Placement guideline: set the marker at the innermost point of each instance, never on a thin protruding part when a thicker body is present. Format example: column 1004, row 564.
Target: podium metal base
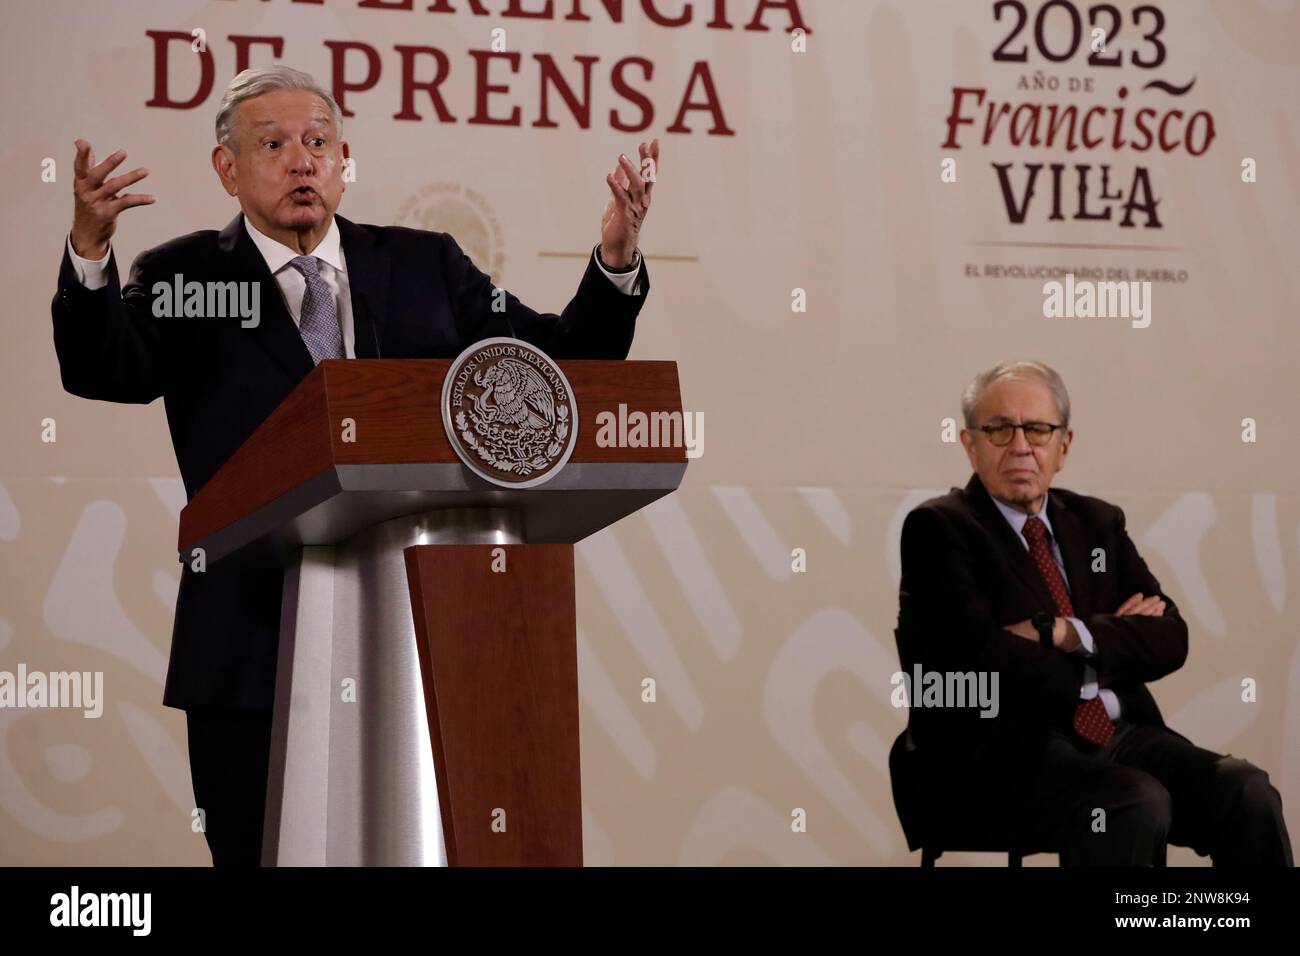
column 352, row 779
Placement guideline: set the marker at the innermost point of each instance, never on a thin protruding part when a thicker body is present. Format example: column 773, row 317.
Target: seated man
column 1048, row 592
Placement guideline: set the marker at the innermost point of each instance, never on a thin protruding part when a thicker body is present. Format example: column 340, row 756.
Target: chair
column 936, row 832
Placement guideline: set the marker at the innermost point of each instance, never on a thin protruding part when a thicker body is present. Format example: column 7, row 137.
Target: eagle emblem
column 509, row 412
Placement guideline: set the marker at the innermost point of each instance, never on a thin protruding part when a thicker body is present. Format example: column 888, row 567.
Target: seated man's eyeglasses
column 1036, row 433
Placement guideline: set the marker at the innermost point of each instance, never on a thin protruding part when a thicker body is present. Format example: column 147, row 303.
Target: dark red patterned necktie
column 1091, row 722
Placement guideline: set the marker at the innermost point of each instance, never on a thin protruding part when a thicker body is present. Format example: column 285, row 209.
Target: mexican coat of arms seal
column 509, row 412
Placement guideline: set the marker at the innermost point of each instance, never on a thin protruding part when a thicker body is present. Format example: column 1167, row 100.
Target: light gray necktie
column 319, row 322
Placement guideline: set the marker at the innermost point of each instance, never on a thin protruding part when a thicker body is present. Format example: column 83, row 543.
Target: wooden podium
column 426, row 707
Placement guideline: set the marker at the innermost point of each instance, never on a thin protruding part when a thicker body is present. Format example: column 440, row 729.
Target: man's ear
column 347, row 154
column 223, row 161
column 968, row 442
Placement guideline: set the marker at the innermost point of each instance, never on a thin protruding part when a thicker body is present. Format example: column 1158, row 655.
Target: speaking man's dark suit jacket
column 414, row 293
column 966, row 576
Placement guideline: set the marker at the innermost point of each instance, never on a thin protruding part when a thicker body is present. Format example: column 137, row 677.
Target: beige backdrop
column 823, row 427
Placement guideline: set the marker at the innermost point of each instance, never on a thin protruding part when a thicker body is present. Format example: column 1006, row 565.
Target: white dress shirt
column 1089, row 689
column 293, row 285
column 333, row 269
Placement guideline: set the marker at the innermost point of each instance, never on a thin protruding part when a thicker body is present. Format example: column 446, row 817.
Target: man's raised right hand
column 97, row 201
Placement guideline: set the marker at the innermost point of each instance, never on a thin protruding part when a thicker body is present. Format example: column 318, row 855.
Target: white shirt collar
column 278, row 255
column 1017, row 519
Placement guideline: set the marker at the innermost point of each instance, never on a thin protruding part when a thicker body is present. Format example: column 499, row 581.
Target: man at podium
column 287, row 284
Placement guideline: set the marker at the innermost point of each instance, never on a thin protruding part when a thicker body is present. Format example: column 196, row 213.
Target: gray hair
column 264, row 79
column 970, row 398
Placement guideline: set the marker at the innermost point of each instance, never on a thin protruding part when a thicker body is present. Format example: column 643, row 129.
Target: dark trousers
column 229, row 754
column 1119, row 805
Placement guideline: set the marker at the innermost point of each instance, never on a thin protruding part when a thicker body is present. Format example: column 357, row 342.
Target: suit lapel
column 368, row 277
column 1017, row 555
column 276, row 331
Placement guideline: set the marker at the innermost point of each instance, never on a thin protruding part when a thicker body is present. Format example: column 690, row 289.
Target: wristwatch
column 1044, row 623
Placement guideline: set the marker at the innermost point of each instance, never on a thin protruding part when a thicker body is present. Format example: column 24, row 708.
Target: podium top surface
column 360, row 441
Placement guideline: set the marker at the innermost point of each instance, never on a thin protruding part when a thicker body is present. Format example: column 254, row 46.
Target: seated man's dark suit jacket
column 966, row 576
column 414, row 294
